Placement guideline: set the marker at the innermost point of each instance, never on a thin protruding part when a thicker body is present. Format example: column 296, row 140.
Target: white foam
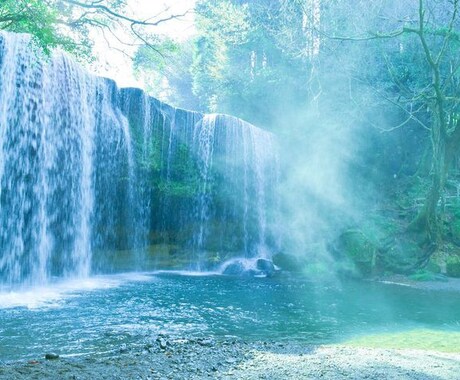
column 55, row 294
column 187, row 273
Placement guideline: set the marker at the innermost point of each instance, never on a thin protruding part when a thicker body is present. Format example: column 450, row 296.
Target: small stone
column 205, row 342
column 163, row 343
column 51, row 356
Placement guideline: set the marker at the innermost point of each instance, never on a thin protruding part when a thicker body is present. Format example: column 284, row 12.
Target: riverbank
column 449, row 284
column 236, row 359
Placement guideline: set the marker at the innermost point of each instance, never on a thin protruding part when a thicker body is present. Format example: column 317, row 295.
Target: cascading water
column 88, row 171
column 61, row 142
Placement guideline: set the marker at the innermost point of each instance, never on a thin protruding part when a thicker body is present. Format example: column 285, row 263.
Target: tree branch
column 98, row 6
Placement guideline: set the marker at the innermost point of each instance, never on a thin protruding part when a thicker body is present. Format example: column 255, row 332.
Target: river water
column 102, row 314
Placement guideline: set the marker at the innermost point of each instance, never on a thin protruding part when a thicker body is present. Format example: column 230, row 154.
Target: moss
column 426, row 275
column 360, row 250
column 159, row 256
column 434, row 267
column 453, row 266
column 401, row 256
column 420, row 339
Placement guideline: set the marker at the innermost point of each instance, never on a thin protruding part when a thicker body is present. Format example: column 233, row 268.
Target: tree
column 240, row 67
column 418, row 47
column 167, row 76
column 36, row 17
column 237, row 63
column 436, row 31
column 222, row 27
column 67, row 23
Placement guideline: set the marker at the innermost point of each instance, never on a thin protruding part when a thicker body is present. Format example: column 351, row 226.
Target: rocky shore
column 206, row 358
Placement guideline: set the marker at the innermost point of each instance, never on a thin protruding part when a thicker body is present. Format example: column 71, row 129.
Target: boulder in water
column 249, row 268
column 266, row 267
column 234, row 269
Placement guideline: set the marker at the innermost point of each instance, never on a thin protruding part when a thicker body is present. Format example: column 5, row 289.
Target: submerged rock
column 51, row 356
column 162, row 343
column 205, row 342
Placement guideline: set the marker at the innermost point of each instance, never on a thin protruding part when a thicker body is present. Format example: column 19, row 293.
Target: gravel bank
column 206, row 358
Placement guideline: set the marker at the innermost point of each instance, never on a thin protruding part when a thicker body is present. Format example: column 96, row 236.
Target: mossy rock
column 453, row 266
column 434, row 267
column 401, row 255
column 361, row 250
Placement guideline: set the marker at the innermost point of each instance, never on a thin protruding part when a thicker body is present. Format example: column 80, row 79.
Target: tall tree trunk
column 427, row 220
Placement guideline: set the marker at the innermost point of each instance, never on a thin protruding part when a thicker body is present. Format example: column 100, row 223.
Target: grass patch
column 420, row 339
column 424, row 275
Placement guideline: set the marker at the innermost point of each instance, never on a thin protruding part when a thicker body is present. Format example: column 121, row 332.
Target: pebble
column 247, row 361
column 205, row 342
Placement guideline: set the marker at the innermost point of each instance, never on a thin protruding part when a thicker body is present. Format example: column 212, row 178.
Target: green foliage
column 44, row 21
column 240, row 66
column 222, row 26
column 174, row 176
column 453, row 266
column 360, row 250
column 69, row 24
column 238, row 63
column 166, row 71
column 426, row 275
column 185, row 182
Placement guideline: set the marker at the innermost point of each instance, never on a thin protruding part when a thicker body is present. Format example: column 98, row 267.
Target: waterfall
column 61, row 142
column 89, row 172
